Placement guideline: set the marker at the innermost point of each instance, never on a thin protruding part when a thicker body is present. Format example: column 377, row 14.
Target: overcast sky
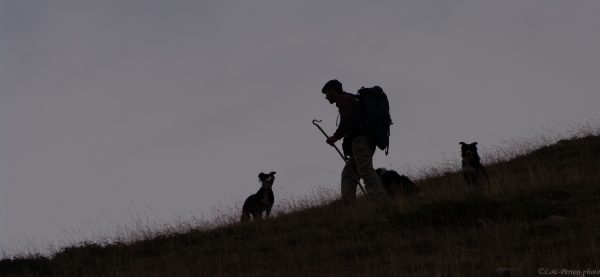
column 176, row 106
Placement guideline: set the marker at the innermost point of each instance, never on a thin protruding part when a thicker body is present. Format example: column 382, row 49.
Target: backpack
column 376, row 119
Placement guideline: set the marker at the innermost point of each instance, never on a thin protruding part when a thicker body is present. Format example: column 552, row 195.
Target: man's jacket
column 350, row 116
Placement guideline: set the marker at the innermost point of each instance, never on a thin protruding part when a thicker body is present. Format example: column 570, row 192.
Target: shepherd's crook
column 336, row 149
column 334, row 146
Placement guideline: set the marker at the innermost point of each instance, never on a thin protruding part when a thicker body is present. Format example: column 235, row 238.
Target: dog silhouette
column 472, row 169
column 261, row 201
column 396, row 184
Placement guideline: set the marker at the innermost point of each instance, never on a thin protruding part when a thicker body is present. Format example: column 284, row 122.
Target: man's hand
column 331, row 141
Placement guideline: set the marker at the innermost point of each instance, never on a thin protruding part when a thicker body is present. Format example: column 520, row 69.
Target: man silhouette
column 357, row 146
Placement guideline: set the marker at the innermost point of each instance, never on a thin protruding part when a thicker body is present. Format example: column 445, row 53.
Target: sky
column 111, row 109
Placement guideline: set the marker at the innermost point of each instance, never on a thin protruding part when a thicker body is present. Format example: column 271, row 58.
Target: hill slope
column 541, row 212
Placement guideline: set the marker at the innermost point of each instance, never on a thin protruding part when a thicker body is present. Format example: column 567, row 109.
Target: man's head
column 331, row 89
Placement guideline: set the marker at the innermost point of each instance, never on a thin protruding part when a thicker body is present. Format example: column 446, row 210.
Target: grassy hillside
column 541, row 212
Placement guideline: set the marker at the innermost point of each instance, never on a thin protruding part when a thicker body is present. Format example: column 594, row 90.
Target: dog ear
column 462, row 143
column 261, row 176
column 474, row 143
column 272, row 173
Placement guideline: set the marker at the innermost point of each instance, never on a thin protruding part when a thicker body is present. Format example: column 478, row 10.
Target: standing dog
column 262, row 201
column 396, row 184
column 472, row 168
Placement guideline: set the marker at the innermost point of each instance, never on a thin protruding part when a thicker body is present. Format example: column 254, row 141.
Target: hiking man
column 356, row 145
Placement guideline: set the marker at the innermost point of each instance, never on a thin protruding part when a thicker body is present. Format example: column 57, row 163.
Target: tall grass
column 539, row 211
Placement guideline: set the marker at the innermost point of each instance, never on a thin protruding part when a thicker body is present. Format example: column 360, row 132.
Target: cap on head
column 332, row 84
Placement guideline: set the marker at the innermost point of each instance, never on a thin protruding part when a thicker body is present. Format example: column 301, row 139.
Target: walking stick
column 337, row 149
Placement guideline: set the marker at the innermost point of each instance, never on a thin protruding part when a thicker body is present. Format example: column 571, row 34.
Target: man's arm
column 347, row 114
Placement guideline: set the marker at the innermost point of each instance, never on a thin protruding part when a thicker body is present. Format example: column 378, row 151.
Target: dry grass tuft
column 541, row 210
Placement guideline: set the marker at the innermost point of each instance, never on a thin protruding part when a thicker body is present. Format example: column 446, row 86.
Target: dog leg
column 268, row 211
column 485, row 175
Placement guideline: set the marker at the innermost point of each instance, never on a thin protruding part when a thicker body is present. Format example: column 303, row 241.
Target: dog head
column 387, row 176
column 267, row 179
column 468, row 151
column 394, row 183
